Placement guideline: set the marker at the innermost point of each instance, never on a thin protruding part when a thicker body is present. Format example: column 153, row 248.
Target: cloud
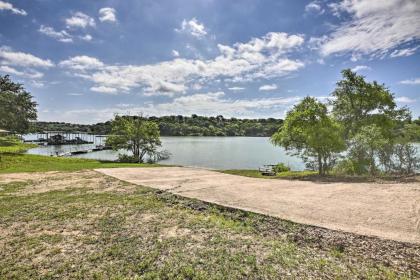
column 107, row 14
column 175, row 53
column 193, row 27
column 80, row 20
column 314, row 7
column 32, row 74
column 415, row 81
column 374, row 27
column 236, row 88
column 360, row 68
column 260, row 58
column 403, row 52
column 200, row 103
column 404, row 99
column 9, row 7
column 82, row 62
column 61, row 36
column 268, row 87
column 103, row 89
column 10, row 57
column 86, row 37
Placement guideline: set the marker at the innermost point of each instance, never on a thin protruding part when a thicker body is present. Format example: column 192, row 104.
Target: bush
column 127, row 158
column 406, row 159
column 281, row 167
column 346, row 167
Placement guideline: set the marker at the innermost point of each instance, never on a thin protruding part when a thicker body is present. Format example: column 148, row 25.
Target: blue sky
column 85, row 61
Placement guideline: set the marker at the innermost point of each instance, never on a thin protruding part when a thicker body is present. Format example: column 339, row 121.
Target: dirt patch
column 174, row 231
column 54, row 181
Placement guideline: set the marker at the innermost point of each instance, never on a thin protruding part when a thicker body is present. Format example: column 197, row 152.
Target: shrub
column 127, row 158
column 281, row 167
column 346, row 167
column 406, row 159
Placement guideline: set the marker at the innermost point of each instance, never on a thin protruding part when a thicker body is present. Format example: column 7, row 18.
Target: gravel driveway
column 389, row 211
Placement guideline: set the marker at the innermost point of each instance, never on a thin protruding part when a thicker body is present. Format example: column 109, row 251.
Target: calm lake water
column 208, row 152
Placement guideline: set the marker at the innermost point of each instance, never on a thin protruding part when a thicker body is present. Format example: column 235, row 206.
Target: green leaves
column 16, row 106
column 310, row 132
column 136, row 134
column 357, row 103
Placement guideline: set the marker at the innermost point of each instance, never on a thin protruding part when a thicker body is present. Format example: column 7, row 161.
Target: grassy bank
column 313, row 176
column 87, row 225
column 10, row 163
column 282, row 175
column 17, row 148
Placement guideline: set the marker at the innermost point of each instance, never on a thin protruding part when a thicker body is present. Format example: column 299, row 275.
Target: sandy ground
column 390, row 211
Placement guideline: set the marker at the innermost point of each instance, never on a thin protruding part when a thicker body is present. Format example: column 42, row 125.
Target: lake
column 196, row 151
column 208, row 152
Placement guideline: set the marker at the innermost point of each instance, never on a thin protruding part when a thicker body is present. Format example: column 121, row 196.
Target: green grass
column 10, row 163
column 282, row 175
column 18, row 148
column 85, row 232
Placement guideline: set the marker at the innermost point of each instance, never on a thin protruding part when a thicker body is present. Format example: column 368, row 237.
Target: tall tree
column 357, row 103
column 17, row 109
column 135, row 134
column 309, row 132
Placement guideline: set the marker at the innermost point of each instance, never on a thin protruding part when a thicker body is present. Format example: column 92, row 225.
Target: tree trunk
column 320, row 169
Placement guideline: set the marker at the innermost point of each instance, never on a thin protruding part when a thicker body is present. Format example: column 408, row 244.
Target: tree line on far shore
column 193, row 125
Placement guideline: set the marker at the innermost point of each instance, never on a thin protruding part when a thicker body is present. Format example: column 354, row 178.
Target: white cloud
column 82, row 62
column 360, row 68
column 268, row 87
column 9, row 7
column 404, row 99
column 374, row 28
column 103, row 89
column 415, row 81
column 175, row 53
column 32, row 74
column 86, row 37
column 403, row 52
column 193, row 27
column 164, row 88
column 264, row 57
column 10, row 57
column 80, row 20
column 107, row 14
column 37, row 84
column 236, row 88
column 314, row 7
column 61, row 36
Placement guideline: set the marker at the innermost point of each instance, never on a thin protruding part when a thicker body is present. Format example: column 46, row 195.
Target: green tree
column 357, row 103
column 135, row 134
column 365, row 147
column 17, row 109
column 309, row 132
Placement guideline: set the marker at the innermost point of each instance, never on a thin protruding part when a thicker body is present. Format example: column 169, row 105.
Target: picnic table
column 267, row 170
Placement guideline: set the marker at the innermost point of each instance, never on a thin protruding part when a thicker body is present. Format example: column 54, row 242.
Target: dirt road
column 389, row 211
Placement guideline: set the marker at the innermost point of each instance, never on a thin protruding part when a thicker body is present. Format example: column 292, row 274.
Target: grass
column 17, row 148
column 313, row 176
column 90, row 226
column 11, row 163
column 282, row 175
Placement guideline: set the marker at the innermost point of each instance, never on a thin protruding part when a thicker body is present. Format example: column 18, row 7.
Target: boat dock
column 83, row 151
